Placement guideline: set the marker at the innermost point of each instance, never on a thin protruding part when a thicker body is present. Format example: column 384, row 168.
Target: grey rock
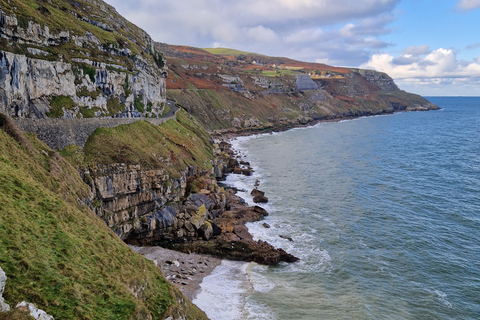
column 3, row 279
column 36, row 313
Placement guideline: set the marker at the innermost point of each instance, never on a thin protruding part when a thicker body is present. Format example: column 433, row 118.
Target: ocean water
column 384, row 212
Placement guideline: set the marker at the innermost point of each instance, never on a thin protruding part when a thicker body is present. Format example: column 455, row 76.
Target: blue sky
column 429, row 47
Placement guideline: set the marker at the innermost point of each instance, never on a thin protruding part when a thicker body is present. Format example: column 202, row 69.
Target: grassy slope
column 184, row 142
column 59, row 255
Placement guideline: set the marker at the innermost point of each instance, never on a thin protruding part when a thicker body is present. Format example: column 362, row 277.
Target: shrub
column 90, row 71
column 57, row 104
column 138, row 104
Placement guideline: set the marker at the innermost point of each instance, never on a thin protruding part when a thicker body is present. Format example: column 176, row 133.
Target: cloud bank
column 341, row 32
column 438, row 70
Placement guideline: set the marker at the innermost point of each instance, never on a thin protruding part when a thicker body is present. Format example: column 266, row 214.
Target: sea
column 383, row 211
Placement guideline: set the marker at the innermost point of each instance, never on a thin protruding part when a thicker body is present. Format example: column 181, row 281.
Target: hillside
column 58, row 254
column 237, row 91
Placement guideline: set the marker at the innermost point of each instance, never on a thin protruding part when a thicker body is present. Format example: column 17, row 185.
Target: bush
column 57, row 104
column 138, row 104
column 90, row 71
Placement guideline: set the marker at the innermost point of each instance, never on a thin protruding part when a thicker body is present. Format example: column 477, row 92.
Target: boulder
column 216, row 229
column 206, row 230
column 286, row 238
column 247, row 172
column 3, row 279
column 255, row 192
column 237, row 170
column 260, row 210
column 36, row 313
column 260, row 199
column 242, row 232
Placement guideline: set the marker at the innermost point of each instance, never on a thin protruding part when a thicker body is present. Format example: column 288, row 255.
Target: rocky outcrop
column 24, row 306
column 189, row 213
column 31, row 88
column 40, row 79
column 3, row 279
column 33, row 310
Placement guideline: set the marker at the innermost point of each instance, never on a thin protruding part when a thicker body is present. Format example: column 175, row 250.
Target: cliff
column 235, row 91
column 58, row 254
column 63, row 59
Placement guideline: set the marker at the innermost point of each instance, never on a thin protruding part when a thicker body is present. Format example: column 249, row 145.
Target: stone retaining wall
column 59, row 133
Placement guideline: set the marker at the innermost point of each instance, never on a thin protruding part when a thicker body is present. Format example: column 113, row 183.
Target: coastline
column 227, row 134
column 186, row 271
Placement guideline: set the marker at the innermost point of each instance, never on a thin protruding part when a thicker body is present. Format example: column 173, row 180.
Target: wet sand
column 185, row 271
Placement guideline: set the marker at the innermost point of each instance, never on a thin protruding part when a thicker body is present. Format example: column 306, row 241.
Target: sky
column 429, row 47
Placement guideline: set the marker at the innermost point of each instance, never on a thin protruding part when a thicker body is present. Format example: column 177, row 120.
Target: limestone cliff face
column 147, row 205
column 78, row 74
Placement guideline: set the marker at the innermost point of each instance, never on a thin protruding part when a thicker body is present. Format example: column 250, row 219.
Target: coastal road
column 173, row 109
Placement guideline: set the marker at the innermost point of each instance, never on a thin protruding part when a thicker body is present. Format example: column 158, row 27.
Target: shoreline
column 185, row 271
column 228, row 135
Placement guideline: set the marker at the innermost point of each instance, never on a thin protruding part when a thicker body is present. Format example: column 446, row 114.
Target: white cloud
column 261, row 34
column 344, row 31
column 437, row 71
column 469, row 4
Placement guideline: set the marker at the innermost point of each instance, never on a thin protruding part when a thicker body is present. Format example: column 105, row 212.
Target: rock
column 36, row 313
column 237, row 170
column 256, row 192
column 173, row 262
column 257, row 183
column 3, row 279
column 286, row 238
column 189, row 226
column 206, row 231
column 247, row 172
column 228, row 237
column 216, row 229
column 242, row 232
column 260, row 199
column 260, row 210
column 266, row 225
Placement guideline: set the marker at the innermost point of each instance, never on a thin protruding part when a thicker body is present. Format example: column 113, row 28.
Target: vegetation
column 172, row 146
column 88, row 112
column 138, row 104
column 79, row 17
column 90, row 72
column 226, row 51
column 59, row 255
column 114, row 106
column 58, row 104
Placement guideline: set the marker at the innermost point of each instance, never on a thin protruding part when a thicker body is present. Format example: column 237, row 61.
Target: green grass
column 139, row 105
column 114, row 106
column 183, row 142
column 279, row 72
column 59, row 255
column 57, row 104
column 227, row 52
